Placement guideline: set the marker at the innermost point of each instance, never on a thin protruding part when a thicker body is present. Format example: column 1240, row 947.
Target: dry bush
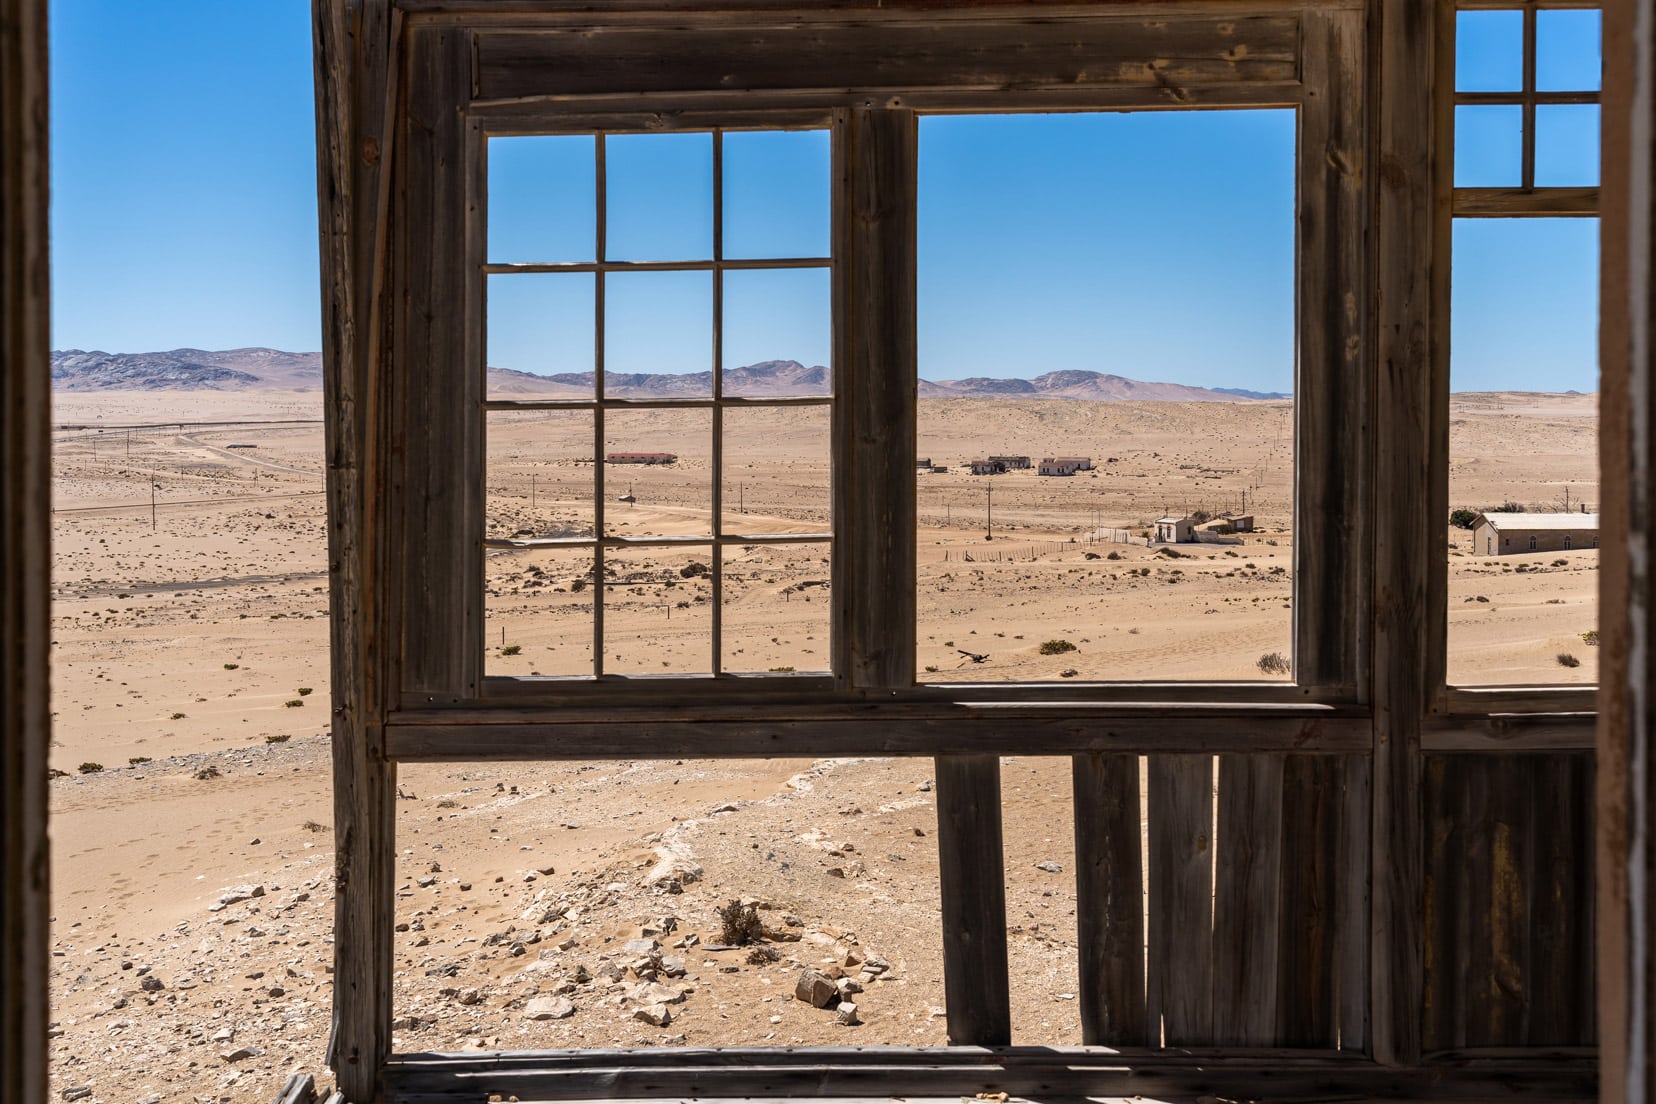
column 1273, row 663
column 739, row 924
column 1565, row 659
column 1057, row 647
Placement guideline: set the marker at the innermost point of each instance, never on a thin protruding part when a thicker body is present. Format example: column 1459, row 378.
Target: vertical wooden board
column 25, row 551
column 1109, row 885
column 1497, row 933
column 971, row 869
column 1407, row 652
column 436, row 382
column 1179, row 966
column 1245, row 903
column 1331, row 390
column 1354, row 851
column 1443, row 1005
column 1561, row 988
column 1306, row 1006
column 875, row 387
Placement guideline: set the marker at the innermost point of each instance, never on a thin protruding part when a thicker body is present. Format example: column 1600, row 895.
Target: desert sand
column 190, row 668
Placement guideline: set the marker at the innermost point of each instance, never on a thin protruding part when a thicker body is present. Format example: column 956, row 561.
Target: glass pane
column 1489, row 51
column 1489, row 146
column 1034, row 317
column 537, row 611
column 542, row 199
column 778, row 336
column 659, row 197
column 658, row 611
column 777, row 609
column 777, row 470
column 1523, row 445
column 658, row 335
column 658, row 473
column 1566, row 145
column 540, row 335
column 1569, row 50
column 776, row 194
column 539, row 477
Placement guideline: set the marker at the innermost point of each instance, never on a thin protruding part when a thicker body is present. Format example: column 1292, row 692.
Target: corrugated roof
column 1542, row 521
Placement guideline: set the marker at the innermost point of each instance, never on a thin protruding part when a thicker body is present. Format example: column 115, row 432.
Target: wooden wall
column 25, row 516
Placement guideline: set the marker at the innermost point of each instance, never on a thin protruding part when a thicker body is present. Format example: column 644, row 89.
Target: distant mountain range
column 274, row 370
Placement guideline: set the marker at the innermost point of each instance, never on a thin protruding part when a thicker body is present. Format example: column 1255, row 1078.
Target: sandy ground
column 190, row 666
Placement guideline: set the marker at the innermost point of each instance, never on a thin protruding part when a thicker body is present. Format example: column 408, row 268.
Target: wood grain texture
column 1518, row 203
column 1626, row 752
column 971, row 869
column 833, row 54
column 1306, row 998
column 1179, row 962
column 1407, row 647
column 1246, row 912
column 437, row 380
column 25, row 551
column 876, row 366
column 356, row 63
column 1109, row 909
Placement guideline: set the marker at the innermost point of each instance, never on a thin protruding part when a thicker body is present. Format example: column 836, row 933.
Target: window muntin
column 641, row 517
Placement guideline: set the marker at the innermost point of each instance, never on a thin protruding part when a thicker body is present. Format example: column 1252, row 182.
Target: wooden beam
column 355, row 52
column 971, row 867
column 25, row 550
column 1405, row 241
column 1626, row 796
column 826, row 53
column 1179, row 959
column 1518, row 203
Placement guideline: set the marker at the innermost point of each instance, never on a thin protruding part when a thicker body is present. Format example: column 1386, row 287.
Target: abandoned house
column 1174, row 530
column 1059, row 466
column 986, row 467
column 640, row 458
column 1497, row 534
column 1358, row 882
column 1012, row 463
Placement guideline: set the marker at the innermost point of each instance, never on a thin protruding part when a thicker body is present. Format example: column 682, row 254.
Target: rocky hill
column 259, row 369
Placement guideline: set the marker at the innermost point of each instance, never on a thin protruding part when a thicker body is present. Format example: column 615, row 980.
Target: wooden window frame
column 446, row 708
column 1469, row 717
column 402, row 85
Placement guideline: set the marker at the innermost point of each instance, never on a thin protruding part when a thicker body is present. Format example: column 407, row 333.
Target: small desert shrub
column 759, row 956
column 306, row 691
column 231, row 666
column 139, row 760
column 294, row 703
column 208, row 772
column 931, row 669
column 1561, row 563
column 1463, row 518
column 1590, row 638
column 1056, row 647
column 739, row 924
column 313, row 826
column 781, row 670
column 1273, row 663
column 278, row 738
column 511, row 649
column 1565, row 659
column 178, row 716
column 1113, row 556
column 577, row 585
column 693, row 569
column 1068, row 672
column 90, row 768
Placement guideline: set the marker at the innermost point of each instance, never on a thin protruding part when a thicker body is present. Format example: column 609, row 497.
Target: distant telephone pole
column 989, row 514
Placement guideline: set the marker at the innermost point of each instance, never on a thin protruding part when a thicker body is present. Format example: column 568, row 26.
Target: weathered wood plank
column 1109, row 910
column 1407, row 647
column 1443, row 995
column 971, row 869
column 1354, row 854
column 1306, row 1004
column 437, row 368
column 1331, row 408
column 1559, row 875
column 25, row 550
column 1246, row 900
column 839, row 54
column 869, row 731
column 1626, row 752
column 1517, row 732
column 356, row 69
column 875, row 364
column 1179, row 964
column 1518, row 203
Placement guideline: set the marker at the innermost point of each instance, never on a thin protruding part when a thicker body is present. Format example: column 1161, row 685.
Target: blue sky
column 1156, row 245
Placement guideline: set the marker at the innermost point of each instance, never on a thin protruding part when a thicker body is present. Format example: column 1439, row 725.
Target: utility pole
column 989, row 516
column 152, row 498
column 531, row 491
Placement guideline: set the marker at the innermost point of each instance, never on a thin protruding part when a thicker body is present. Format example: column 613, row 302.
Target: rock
column 655, row 1015
column 652, row 992
column 77, row 1092
column 1050, row 867
column 846, row 1015
column 848, row 986
column 224, row 1035
column 151, row 984
column 549, row 1008
column 469, row 996
column 816, row 988
column 241, row 1053
column 641, row 947
column 673, row 864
